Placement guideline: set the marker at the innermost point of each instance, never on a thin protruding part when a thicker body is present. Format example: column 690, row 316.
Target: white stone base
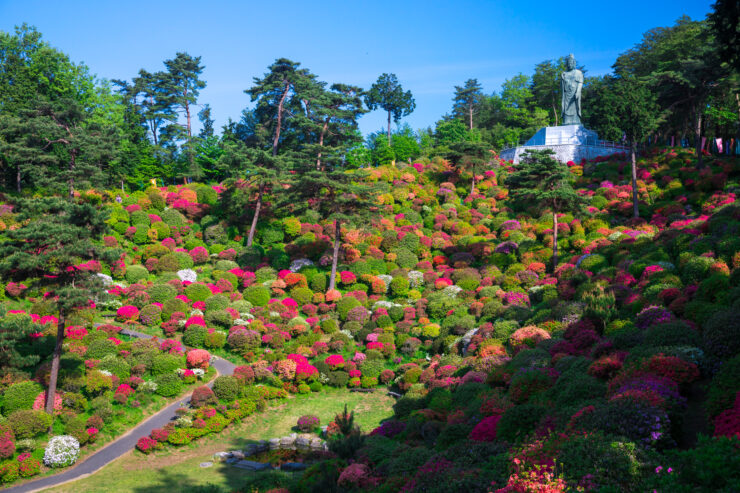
column 563, row 152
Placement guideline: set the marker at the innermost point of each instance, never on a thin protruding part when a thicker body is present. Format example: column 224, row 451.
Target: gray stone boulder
column 253, row 466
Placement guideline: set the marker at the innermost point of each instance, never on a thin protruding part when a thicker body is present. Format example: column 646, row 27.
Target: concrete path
column 122, row 444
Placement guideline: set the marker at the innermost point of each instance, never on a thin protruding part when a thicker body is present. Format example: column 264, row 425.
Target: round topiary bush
column 168, row 384
column 162, row 293
column 308, row 423
column 346, row 304
column 150, row 315
column 517, row 422
column 117, row 366
column 136, row 273
column 197, row 292
column 195, row 336
column 62, row 451
column 217, row 302
column 226, row 388
column 399, row 286
column 203, row 396
column 257, row 295
column 166, row 363
column 722, row 334
column 220, row 318
column 20, row 396
column 27, row 423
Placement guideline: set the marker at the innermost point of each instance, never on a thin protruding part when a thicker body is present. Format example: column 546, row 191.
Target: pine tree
column 466, row 101
column 14, row 333
column 388, row 94
column 55, row 237
column 261, row 170
column 338, row 196
column 543, row 182
column 273, row 94
column 631, row 106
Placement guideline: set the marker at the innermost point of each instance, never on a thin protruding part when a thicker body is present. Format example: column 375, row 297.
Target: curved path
column 122, row 444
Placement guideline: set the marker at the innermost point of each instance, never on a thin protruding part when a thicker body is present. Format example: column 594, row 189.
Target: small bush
column 20, row 396
column 27, row 423
column 226, row 388
column 168, row 384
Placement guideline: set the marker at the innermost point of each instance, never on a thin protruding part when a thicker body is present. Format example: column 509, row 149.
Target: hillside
column 619, row 371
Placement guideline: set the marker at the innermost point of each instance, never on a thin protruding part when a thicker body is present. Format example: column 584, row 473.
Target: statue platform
column 569, row 142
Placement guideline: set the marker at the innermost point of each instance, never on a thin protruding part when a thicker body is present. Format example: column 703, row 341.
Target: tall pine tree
column 56, row 236
column 541, row 181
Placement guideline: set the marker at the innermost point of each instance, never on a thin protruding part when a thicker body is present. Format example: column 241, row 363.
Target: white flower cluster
column 299, row 263
column 416, row 278
column 196, row 313
column 187, row 275
column 614, row 236
column 107, row 280
column 62, row 451
column 384, row 304
column 183, row 422
column 451, row 291
column 387, row 280
column 148, row 386
column 106, row 373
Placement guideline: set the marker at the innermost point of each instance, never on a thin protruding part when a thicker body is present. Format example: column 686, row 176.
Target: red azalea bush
column 485, row 430
column 198, row 358
column 127, row 313
column 147, row 445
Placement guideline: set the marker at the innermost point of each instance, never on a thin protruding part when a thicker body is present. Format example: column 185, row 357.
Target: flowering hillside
column 513, row 377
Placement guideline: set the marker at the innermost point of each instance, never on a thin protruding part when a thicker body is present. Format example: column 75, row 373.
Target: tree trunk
column 187, row 111
column 276, row 139
column 18, row 179
column 635, row 208
column 389, row 129
column 472, row 185
column 122, row 189
column 321, row 143
column 50, row 394
column 555, row 110
column 335, row 257
column 257, row 208
column 71, row 178
column 554, row 240
column 470, row 114
column 697, row 134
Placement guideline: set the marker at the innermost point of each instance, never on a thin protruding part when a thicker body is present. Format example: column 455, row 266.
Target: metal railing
column 554, row 142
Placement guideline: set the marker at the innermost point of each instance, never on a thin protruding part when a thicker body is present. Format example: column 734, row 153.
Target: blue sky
column 430, row 45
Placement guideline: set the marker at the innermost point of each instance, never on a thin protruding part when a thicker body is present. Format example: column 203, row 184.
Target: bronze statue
column 571, row 83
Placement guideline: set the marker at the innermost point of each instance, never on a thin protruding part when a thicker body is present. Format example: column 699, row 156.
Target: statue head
column 570, row 62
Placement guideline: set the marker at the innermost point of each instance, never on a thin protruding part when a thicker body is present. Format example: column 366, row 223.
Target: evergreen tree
column 261, row 170
column 630, row 106
column 273, row 94
column 206, row 121
column 339, row 196
column 546, row 86
column 14, row 333
column 388, row 94
column 542, row 181
column 55, row 237
column 466, row 101
column 470, row 157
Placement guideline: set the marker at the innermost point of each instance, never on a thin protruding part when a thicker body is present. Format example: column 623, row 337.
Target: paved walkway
column 121, row 445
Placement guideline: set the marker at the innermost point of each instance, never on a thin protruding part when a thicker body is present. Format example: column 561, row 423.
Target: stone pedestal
column 569, row 142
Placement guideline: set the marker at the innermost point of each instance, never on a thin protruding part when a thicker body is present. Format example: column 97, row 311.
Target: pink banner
column 719, row 145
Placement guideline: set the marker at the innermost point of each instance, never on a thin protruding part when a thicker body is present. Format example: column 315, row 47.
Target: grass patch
column 177, row 469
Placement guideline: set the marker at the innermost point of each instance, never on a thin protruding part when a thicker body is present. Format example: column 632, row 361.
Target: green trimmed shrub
column 257, row 295
column 161, row 293
column 136, row 273
column 399, row 286
column 344, row 305
column 195, row 336
column 20, row 396
column 217, row 302
column 117, row 366
column 197, row 292
column 100, row 348
column 166, row 363
column 226, row 388
column 27, row 423
column 168, row 384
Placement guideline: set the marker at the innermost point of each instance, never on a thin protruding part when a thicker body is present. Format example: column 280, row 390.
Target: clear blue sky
column 430, row 45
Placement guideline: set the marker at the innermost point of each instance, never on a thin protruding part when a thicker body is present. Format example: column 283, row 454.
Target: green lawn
column 177, row 469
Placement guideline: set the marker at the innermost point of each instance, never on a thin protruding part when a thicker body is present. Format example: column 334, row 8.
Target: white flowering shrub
column 187, row 275
column 62, row 451
column 451, row 291
column 148, row 387
column 416, row 278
